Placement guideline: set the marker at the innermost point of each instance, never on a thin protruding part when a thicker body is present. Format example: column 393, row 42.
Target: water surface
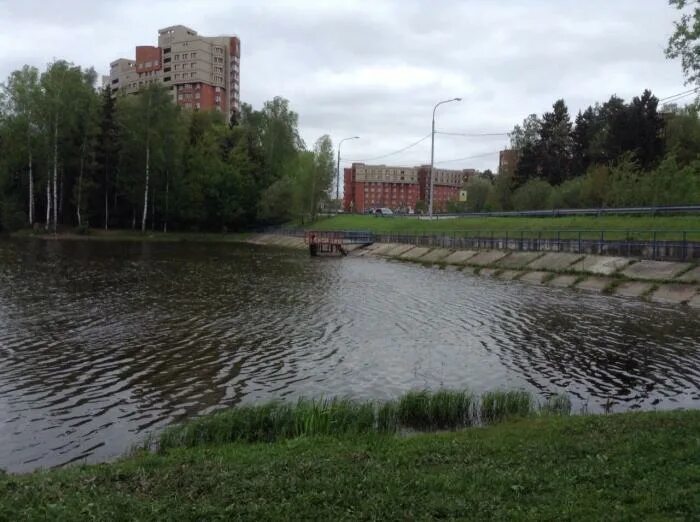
column 102, row 343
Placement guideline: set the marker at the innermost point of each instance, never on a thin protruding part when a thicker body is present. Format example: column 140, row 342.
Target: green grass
column 615, row 227
column 416, row 410
column 633, row 466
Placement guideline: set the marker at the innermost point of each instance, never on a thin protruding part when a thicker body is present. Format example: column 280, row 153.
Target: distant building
column 399, row 188
column 201, row 72
column 372, row 186
column 508, row 161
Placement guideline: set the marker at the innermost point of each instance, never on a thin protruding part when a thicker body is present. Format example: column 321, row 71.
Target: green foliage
column 478, row 194
column 499, row 405
column 141, row 160
column 417, row 410
column 684, row 42
column 568, row 195
column 533, row 195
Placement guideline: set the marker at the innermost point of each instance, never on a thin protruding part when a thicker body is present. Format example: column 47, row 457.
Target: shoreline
column 637, row 465
column 135, row 236
column 663, row 282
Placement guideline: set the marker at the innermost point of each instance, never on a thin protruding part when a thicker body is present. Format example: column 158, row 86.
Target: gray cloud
column 375, row 68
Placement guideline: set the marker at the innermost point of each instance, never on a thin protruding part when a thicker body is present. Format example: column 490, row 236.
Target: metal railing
column 651, row 211
column 672, row 245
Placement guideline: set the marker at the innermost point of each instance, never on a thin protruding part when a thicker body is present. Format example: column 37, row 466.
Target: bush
column 478, row 194
column 533, row 195
column 568, row 195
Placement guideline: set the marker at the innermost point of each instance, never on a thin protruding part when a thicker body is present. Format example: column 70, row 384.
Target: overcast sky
column 376, row 68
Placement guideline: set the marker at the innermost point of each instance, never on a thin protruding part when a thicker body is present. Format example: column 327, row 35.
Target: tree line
column 613, row 154
column 72, row 155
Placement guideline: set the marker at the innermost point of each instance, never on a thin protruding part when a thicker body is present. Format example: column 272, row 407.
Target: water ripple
column 101, row 344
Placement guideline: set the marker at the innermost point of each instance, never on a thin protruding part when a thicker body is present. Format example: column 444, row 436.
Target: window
column 192, row 75
column 166, row 50
column 166, row 79
column 167, row 60
column 193, row 65
column 197, row 95
column 193, row 55
column 167, row 69
column 177, row 56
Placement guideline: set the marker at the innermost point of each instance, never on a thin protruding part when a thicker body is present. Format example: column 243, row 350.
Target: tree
column 107, row 146
column 146, row 120
column 526, row 134
column 685, row 41
column 478, row 193
column 556, row 144
column 21, row 95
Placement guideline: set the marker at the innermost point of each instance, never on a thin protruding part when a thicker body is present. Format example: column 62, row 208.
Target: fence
column 668, row 245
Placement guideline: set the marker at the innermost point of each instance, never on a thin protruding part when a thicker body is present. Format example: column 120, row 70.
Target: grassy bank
column 615, row 227
column 134, row 235
column 419, row 411
column 616, row 467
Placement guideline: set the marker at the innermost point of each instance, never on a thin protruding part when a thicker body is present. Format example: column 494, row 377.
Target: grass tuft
column 416, row 410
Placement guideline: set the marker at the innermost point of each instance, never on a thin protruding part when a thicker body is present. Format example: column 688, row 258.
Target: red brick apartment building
column 202, row 73
column 399, row 188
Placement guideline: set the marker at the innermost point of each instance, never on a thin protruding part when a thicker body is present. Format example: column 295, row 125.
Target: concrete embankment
column 656, row 281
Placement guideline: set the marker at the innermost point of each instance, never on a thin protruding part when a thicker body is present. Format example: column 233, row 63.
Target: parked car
column 383, row 212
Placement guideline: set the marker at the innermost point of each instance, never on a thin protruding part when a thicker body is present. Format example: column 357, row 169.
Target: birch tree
column 21, row 94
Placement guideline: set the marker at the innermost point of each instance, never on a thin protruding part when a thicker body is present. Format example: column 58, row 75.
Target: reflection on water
column 102, row 343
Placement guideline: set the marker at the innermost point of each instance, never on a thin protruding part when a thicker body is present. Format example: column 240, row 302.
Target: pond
column 102, row 343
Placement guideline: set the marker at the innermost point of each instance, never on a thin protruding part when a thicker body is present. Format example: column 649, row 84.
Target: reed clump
column 415, row 410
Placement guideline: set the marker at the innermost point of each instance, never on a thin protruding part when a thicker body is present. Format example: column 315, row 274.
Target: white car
column 384, row 212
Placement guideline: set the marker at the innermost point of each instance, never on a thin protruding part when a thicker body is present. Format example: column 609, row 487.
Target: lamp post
column 432, row 153
column 337, row 182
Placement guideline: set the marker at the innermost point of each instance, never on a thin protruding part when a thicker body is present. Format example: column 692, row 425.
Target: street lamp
column 337, row 182
column 432, row 153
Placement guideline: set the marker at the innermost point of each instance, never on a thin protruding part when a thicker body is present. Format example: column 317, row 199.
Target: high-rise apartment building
column 201, row 72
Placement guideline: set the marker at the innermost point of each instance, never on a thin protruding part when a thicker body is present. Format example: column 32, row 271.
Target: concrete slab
column 534, row 277
column 690, row 277
column 674, row 293
column 398, row 250
column 509, row 275
column 554, row 261
column 459, row 257
column 290, row 242
column 695, row 302
column 655, row 270
column 632, row 289
column 414, row 253
column 375, row 246
column 383, row 248
column 469, row 270
column 601, row 265
column 487, row 258
column 563, row 281
column 595, row 284
column 436, row 254
column 487, row 272
column 518, row 259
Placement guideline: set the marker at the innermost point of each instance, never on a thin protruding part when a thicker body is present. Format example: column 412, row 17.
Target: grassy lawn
column 634, row 466
column 615, row 227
